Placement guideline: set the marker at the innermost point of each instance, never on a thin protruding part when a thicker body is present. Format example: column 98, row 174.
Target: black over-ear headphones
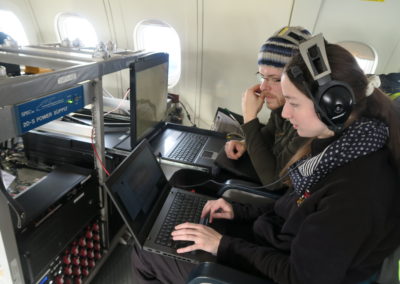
column 333, row 100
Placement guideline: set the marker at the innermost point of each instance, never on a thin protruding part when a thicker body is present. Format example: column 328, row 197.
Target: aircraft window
column 365, row 54
column 155, row 35
column 76, row 31
column 12, row 26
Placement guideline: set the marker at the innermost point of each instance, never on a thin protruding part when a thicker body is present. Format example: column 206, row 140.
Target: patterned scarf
column 361, row 138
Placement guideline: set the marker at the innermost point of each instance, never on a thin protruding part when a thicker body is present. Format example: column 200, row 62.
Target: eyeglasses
column 270, row 79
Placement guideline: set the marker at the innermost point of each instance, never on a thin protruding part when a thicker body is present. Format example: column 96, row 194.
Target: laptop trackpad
column 209, row 155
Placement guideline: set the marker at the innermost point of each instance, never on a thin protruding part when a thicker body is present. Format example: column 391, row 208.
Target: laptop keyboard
column 185, row 208
column 188, row 147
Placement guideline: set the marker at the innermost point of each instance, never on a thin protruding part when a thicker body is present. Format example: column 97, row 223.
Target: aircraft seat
column 215, row 273
column 247, row 192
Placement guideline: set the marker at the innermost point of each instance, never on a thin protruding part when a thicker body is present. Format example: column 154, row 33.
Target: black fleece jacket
column 340, row 234
column 271, row 146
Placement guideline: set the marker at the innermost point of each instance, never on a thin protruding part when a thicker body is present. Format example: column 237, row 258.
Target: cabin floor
column 118, row 267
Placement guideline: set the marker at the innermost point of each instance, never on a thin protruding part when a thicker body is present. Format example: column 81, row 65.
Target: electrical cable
column 120, row 103
column 187, row 114
column 200, row 184
column 97, row 154
column 241, row 186
column 233, row 185
column 93, row 133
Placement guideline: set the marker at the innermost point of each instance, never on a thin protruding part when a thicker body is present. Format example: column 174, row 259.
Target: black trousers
column 154, row 268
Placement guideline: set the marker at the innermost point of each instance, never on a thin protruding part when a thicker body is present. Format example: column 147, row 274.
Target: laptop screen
column 135, row 187
column 149, row 92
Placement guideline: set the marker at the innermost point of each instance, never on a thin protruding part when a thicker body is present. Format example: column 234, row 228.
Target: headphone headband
column 314, row 55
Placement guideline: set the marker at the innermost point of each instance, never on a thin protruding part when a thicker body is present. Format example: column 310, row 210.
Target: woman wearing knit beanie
column 269, row 146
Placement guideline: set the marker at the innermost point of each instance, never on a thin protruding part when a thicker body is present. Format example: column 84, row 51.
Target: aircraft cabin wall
column 24, row 12
column 370, row 22
column 219, row 39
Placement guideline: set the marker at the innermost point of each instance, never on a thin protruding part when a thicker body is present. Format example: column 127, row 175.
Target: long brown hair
column 345, row 68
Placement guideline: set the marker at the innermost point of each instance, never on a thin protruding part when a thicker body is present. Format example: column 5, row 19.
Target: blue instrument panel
column 43, row 110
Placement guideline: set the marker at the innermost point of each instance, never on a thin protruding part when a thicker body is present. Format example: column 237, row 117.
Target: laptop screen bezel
column 150, row 61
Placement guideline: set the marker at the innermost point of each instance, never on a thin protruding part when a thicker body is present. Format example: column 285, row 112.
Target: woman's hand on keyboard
column 218, row 209
column 204, row 238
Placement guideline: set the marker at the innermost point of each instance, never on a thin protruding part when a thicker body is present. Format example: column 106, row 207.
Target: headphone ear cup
column 335, row 102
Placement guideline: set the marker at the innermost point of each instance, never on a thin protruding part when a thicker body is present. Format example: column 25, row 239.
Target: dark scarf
column 361, row 138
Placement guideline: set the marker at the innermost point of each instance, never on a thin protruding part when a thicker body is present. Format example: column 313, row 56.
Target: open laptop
column 185, row 145
column 146, row 201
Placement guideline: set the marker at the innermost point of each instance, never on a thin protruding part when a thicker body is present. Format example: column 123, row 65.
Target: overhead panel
column 372, row 22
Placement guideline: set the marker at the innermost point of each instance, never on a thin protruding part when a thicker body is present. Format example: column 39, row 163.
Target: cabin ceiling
column 220, row 38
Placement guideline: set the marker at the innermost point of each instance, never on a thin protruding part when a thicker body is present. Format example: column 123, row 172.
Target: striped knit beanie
column 279, row 48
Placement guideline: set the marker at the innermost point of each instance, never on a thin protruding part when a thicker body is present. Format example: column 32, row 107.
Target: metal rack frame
column 71, row 68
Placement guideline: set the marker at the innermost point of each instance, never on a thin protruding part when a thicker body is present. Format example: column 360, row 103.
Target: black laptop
column 184, row 145
column 151, row 208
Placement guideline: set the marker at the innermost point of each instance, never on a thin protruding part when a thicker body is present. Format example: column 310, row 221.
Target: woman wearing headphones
column 339, row 220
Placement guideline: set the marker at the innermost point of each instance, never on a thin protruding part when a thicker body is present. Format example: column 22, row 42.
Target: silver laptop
column 186, row 145
column 151, row 208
